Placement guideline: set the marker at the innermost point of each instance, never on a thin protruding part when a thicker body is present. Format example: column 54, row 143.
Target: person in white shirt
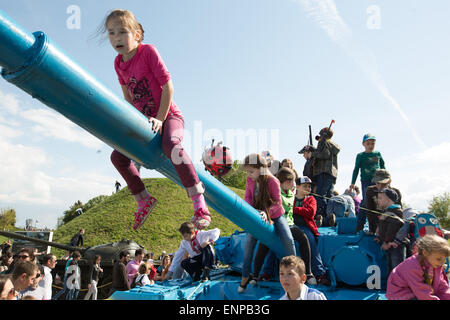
column 142, row 278
column 34, row 290
column 201, row 254
column 49, row 263
column 292, row 274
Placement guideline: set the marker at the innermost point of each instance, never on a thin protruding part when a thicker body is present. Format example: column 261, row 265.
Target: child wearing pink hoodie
column 421, row 276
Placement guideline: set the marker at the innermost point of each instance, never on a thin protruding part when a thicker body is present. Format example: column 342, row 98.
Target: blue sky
column 257, row 67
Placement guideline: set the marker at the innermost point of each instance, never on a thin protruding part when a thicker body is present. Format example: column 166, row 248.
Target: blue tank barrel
column 15, row 40
column 50, row 75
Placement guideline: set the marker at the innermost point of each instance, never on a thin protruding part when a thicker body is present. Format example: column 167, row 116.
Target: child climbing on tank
column 287, row 177
column 147, row 85
column 201, row 255
column 262, row 191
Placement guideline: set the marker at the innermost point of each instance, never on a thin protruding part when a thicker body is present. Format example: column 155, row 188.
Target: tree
column 7, row 218
column 440, row 206
column 71, row 213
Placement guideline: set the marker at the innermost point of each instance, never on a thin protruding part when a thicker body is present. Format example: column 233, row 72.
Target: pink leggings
column 172, row 135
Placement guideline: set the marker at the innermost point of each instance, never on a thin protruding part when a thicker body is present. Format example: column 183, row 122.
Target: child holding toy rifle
column 306, row 151
column 325, row 170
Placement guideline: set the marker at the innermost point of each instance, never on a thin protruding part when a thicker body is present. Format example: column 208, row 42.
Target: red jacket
column 307, row 211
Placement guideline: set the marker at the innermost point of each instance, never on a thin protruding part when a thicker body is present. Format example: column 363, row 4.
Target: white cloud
column 422, row 175
column 20, row 175
column 54, row 125
column 9, row 103
column 47, row 123
column 29, row 182
column 8, row 132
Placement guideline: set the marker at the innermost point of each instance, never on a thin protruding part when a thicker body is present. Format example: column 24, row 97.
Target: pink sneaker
column 201, row 218
column 145, row 207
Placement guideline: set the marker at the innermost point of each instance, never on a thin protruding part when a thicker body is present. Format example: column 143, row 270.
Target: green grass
column 112, row 219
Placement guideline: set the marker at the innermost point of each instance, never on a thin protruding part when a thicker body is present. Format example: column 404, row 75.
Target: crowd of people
column 310, row 201
column 24, row 276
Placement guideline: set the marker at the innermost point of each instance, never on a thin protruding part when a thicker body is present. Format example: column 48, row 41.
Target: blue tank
column 355, row 264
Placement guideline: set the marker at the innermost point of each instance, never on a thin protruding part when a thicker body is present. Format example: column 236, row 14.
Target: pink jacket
column 276, row 209
column 406, row 282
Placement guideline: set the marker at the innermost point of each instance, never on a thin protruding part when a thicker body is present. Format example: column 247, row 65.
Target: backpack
column 426, row 224
column 135, row 283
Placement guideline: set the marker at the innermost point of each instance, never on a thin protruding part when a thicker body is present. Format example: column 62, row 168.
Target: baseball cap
column 390, row 193
column 306, row 148
column 368, row 136
column 381, row 176
column 302, row 180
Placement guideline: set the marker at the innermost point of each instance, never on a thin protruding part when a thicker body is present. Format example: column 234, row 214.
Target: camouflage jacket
column 325, row 158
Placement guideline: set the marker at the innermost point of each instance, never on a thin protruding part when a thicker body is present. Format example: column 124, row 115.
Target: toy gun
column 324, row 131
column 309, row 146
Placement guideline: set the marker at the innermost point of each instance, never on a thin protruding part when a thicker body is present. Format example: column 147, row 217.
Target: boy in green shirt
column 368, row 161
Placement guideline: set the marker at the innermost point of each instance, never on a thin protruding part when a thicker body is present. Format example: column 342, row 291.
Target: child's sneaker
column 201, row 218
column 145, row 207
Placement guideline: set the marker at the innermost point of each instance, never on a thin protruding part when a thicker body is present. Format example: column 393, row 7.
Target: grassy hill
column 112, row 219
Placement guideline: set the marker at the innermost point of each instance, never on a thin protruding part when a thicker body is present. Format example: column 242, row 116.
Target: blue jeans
column 283, row 231
column 325, row 187
column 317, row 266
column 72, row 294
column 338, row 208
column 62, row 291
column 269, row 265
column 362, row 214
column 395, row 256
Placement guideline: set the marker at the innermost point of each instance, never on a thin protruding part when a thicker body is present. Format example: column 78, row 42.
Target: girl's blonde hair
column 128, row 20
column 262, row 200
column 431, row 243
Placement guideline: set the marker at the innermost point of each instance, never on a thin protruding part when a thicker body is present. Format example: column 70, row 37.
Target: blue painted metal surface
column 346, row 257
column 36, row 65
column 224, row 286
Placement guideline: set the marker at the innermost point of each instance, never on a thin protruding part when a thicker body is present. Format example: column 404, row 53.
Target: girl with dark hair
column 263, row 192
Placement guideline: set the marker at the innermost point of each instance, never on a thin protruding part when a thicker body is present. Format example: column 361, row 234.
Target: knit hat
column 381, row 176
column 390, row 193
